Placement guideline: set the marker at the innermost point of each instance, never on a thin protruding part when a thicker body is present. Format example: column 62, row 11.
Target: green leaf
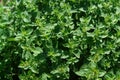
column 44, row 76
column 102, row 73
column 25, row 65
column 36, row 51
column 85, row 71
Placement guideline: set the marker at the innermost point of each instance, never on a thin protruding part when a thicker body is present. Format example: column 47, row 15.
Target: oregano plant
column 59, row 39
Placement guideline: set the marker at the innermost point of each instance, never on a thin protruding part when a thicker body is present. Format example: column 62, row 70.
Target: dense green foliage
column 60, row 40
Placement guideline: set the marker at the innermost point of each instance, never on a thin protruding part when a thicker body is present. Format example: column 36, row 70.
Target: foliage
column 60, row 40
